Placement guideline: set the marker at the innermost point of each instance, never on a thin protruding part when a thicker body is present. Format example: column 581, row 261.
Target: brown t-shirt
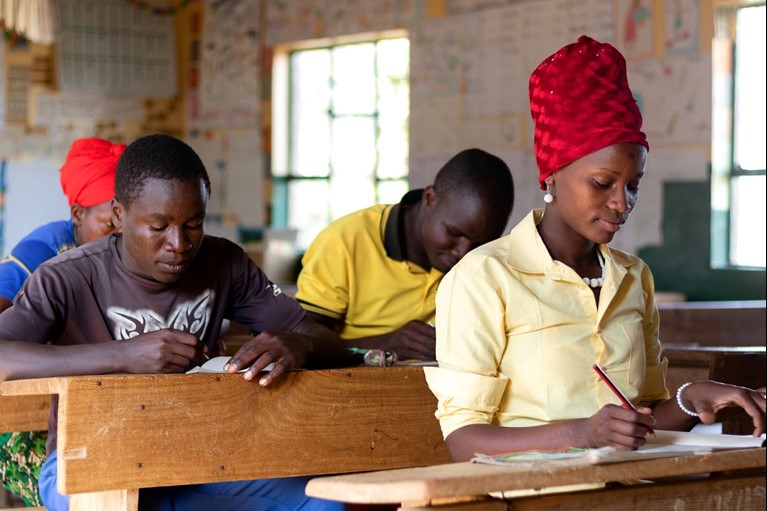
column 86, row 295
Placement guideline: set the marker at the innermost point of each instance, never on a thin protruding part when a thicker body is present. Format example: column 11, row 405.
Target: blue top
column 35, row 248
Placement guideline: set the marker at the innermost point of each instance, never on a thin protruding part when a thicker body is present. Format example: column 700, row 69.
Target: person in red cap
column 87, row 179
column 523, row 321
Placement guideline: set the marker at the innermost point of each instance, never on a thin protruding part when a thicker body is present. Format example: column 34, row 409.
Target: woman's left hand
column 707, row 397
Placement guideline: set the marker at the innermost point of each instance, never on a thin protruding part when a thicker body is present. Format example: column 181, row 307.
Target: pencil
column 626, row 403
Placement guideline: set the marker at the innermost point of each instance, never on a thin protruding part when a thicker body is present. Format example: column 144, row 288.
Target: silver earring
column 547, row 197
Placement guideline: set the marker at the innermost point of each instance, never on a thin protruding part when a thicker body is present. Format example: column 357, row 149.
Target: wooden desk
column 119, row 433
column 465, row 485
column 24, row 413
column 725, row 323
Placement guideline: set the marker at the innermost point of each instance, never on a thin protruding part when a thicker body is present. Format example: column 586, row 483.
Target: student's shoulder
column 83, row 259
column 52, row 234
column 358, row 222
column 491, row 254
column 364, row 216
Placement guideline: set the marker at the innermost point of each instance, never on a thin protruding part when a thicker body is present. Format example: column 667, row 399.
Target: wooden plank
column 726, row 323
column 467, row 479
column 32, row 386
column 136, row 431
column 24, row 413
column 734, row 493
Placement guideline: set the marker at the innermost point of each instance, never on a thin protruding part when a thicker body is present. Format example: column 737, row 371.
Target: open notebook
column 216, row 365
column 663, row 444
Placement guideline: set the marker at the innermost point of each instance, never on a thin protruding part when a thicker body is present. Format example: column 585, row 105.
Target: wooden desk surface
column 426, row 484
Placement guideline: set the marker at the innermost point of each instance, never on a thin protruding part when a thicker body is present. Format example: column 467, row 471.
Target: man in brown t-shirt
column 162, row 288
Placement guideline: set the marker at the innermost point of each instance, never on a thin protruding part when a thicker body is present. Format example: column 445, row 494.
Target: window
column 738, row 184
column 340, row 129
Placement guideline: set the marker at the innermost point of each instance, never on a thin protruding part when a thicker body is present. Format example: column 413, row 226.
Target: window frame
column 725, row 169
column 281, row 115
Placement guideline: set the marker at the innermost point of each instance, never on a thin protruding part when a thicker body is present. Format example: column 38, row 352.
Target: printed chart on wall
column 231, row 65
column 682, row 21
column 674, row 95
column 478, row 64
column 113, row 47
column 298, row 20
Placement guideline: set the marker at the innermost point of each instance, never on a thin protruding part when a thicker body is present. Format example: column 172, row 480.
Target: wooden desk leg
column 116, row 500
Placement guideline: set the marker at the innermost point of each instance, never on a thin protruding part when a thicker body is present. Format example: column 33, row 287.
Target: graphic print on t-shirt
column 191, row 316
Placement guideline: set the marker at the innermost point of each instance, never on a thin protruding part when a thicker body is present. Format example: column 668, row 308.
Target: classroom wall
column 470, row 60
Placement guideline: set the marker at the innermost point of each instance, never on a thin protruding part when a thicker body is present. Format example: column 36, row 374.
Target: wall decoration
column 110, row 47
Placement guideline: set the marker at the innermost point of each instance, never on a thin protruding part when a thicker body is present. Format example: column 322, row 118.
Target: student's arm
column 4, row 303
column 308, row 344
column 414, row 340
column 612, row 425
column 162, row 351
column 707, row 398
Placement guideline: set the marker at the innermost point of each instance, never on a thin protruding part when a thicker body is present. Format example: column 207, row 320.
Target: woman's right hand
column 617, row 427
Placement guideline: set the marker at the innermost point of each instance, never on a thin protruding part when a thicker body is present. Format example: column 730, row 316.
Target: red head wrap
column 88, row 175
column 580, row 102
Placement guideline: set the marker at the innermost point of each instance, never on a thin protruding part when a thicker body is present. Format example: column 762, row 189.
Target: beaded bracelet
column 679, row 401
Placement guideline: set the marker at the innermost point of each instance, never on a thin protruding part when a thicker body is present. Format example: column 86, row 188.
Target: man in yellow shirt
column 372, row 275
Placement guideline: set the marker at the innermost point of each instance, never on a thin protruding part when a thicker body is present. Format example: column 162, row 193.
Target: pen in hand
column 626, row 403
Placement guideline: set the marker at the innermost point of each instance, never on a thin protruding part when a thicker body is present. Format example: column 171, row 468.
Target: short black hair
column 156, row 156
column 474, row 172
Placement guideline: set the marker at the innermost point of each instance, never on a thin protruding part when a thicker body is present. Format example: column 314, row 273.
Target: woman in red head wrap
column 523, row 321
column 87, row 179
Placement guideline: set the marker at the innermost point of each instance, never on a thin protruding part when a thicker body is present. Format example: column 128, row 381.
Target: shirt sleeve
column 39, row 311
column 259, row 303
column 464, row 398
column 471, row 340
column 323, row 284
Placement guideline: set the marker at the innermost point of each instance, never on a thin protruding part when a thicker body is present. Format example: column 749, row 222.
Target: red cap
column 580, row 102
column 88, row 174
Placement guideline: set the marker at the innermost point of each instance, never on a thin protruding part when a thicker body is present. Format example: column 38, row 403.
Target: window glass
column 391, row 192
column 394, row 107
column 346, row 110
column 739, row 118
column 354, row 79
column 350, row 193
column 747, row 245
column 310, row 100
column 750, row 105
column 307, row 214
column 354, row 149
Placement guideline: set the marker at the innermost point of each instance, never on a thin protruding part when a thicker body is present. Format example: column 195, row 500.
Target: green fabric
column 21, row 456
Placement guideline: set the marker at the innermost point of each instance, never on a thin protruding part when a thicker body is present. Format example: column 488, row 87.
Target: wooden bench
column 725, row 323
column 120, row 433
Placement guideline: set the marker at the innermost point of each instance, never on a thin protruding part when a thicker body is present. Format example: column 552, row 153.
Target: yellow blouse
column 518, row 334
